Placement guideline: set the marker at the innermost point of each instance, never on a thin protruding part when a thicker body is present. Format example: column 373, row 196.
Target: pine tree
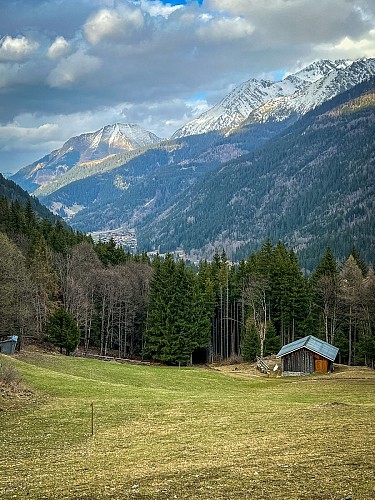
column 359, row 260
column 250, row 343
column 272, row 342
column 63, row 331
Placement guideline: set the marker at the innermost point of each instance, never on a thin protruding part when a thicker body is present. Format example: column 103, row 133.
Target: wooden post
column 92, row 419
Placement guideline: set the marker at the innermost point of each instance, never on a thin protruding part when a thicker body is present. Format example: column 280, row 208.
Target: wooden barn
column 307, row 355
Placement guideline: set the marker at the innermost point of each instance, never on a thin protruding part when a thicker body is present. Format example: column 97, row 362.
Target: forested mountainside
column 14, row 193
column 312, row 187
column 246, row 119
column 59, row 287
column 84, row 151
column 123, row 192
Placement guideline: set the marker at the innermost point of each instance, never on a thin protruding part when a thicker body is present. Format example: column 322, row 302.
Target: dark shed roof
column 313, row 344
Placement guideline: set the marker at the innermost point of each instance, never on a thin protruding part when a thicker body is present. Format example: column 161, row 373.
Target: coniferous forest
column 58, row 286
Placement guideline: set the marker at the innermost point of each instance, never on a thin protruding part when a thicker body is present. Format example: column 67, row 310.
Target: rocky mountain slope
column 312, row 186
column 84, row 150
column 258, row 101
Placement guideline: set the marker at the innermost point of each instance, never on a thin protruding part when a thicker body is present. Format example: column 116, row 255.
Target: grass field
column 166, row 433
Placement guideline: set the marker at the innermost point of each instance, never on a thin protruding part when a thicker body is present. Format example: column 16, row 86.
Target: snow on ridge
column 298, row 93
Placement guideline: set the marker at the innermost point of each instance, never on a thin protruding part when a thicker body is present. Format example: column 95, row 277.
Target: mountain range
column 258, row 101
column 312, row 186
column 83, row 151
column 269, row 160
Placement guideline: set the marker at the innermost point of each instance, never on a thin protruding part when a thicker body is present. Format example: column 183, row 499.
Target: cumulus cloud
column 302, row 21
column 8, row 73
column 60, row 47
column 89, row 63
column 13, row 132
column 158, row 8
column 16, row 49
column 113, row 24
column 348, row 48
column 224, row 29
column 73, row 69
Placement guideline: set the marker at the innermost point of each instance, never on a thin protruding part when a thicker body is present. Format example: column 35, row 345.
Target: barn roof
column 310, row 342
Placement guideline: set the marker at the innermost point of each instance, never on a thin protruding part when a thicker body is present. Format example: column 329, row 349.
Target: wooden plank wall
column 299, row 361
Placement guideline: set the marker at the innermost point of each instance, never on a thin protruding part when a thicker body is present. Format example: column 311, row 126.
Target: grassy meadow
column 166, row 433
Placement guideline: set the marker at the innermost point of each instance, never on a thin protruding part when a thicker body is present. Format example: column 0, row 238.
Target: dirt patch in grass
column 248, row 369
column 15, row 391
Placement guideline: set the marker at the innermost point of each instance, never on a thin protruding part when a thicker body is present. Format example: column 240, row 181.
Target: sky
column 73, row 66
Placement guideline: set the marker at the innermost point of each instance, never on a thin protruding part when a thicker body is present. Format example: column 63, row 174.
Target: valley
column 251, row 168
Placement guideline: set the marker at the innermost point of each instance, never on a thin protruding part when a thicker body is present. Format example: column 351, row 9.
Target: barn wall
column 299, row 361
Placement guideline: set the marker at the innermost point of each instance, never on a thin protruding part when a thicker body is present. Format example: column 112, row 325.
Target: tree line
column 57, row 285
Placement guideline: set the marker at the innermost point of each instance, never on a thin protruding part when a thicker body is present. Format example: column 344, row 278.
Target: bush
column 8, row 373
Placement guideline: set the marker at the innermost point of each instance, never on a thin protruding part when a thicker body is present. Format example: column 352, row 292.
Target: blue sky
column 74, row 66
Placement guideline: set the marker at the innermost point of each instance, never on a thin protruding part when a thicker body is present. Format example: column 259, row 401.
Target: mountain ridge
column 308, row 186
column 297, row 93
column 81, row 149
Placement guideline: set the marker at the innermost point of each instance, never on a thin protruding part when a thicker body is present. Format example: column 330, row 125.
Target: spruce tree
column 63, row 331
column 250, row 343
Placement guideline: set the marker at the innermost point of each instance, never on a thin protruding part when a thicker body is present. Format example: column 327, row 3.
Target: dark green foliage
column 326, row 267
column 250, row 344
column 296, row 188
column 359, row 260
column 178, row 313
column 272, row 344
column 14, row 193
column 63, row 331
column 110, row 254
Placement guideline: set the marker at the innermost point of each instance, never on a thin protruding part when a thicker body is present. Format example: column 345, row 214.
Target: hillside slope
column 12, row 192
column 313, row 186
column 125, row 189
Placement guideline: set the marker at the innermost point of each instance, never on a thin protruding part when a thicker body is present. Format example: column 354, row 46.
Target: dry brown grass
column 166, row 433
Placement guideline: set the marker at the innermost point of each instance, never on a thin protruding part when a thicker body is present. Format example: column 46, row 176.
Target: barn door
column 321, row 365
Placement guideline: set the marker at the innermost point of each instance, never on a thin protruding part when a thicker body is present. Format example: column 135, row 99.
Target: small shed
column 8, row 346
column 307, row 355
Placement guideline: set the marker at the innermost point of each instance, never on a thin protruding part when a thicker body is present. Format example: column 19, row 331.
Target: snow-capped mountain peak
column 109, row 140
column 295, row 94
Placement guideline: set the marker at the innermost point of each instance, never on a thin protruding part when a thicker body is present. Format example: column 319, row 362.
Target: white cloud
column 59, row 48
column 113, row 24
column 300, row 21
column 73, row 69
column 8, row 73
column 224, row 29
column 156, row 56
column 348, row 48
column 12, row 136
column 16, row 49
column 157, row 8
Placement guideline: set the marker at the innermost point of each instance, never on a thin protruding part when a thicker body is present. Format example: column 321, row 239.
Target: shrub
column 8, row 373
